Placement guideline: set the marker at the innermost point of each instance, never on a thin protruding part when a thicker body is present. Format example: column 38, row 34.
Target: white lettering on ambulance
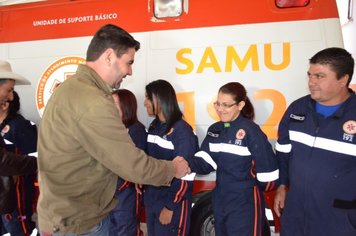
column 79, row 19
column 45, row 22
column 108, row 16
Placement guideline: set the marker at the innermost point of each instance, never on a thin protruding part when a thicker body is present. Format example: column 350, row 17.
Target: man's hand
column 279, row 200
column 181, row 167
column 165, row 217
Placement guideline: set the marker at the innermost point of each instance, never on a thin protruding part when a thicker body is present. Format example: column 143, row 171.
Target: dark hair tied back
column 238, row 92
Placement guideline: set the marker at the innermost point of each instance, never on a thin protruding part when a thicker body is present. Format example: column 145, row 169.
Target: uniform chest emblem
column 349, row 127
column 240, row 134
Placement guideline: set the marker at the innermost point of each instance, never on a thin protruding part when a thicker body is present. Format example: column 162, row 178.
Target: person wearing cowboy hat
column 8, row 79
column 10, row 163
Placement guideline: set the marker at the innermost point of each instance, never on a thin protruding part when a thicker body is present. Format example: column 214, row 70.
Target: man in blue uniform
column 316, row 148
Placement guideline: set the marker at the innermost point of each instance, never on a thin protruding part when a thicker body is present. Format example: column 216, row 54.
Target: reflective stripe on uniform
column 323, row 143
column 229, row 148
column 160, row 141
column 8, row 142
column 286, row 148
column 268, row 176
column 206, row 158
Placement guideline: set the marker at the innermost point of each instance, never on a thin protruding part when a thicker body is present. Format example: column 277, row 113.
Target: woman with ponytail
column 244, row 161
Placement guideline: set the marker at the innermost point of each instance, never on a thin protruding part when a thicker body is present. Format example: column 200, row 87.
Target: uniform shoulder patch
column 349, row 127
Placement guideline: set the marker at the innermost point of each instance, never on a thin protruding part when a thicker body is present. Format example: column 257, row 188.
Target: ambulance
column 197, row 45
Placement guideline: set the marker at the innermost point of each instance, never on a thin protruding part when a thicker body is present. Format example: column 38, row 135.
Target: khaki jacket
column 82, row 147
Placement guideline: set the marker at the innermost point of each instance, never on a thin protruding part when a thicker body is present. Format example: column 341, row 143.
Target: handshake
column 181, row 167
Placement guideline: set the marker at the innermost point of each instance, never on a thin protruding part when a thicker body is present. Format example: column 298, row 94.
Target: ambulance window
column 13, row 2
column 168, row 8
column 291, row 3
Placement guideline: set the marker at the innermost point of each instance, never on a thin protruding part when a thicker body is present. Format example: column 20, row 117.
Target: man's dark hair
column 339, row 60
column 110, row 36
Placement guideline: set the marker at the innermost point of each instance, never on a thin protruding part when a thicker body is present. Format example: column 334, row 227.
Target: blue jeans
column 101, row 229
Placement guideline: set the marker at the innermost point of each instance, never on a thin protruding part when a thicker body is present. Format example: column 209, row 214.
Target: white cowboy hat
column 6, row 73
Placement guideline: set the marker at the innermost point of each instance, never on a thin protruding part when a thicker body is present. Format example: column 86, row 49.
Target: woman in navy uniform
column 244, row 161
column 125, row 217
column 168, row 208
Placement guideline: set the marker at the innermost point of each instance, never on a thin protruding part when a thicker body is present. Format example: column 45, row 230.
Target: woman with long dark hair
column 169, row 135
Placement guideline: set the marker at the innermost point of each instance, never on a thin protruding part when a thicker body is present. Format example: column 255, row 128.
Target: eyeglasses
column 223, row 106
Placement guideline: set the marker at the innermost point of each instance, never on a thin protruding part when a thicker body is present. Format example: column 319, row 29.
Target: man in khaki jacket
column 83, row 146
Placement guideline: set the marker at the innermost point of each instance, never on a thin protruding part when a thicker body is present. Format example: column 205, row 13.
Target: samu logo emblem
column 349, row 128
column 54, row 75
